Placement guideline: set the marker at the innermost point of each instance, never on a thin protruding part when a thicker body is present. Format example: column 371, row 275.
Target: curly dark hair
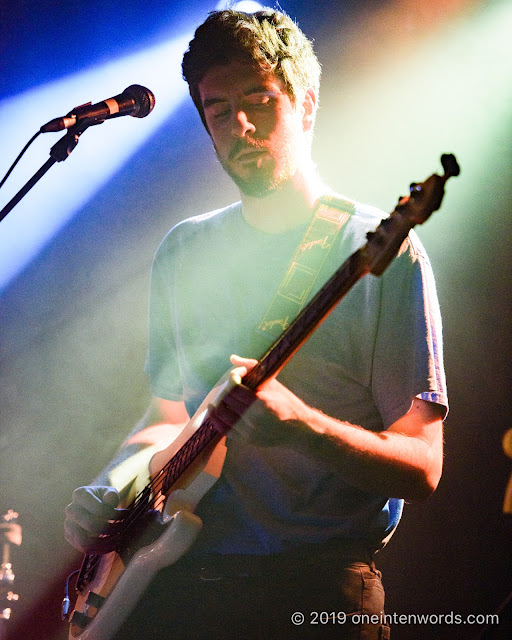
column 268, row 39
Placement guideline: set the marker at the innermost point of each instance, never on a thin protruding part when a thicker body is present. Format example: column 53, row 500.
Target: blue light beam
column 102, row 150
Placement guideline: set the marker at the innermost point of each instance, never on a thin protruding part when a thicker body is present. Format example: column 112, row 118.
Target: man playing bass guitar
column 318, row 466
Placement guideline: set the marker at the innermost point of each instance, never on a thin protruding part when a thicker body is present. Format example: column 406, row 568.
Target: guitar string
column 152, row 495
column 179, row 462
column 167, row 476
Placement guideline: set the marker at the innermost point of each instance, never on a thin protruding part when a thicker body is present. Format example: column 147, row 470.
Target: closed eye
column 221, row 113
column 216, row 108
column 260, row 98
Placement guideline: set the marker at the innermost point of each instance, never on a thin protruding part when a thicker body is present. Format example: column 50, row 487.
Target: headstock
column 416, row 208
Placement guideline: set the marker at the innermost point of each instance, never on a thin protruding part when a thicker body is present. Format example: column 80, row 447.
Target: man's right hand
column 88, row 515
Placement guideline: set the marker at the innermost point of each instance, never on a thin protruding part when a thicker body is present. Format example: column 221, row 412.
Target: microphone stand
column 58, row 153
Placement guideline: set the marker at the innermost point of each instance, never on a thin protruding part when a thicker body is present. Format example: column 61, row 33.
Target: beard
column 263, row 178
column 260, row 183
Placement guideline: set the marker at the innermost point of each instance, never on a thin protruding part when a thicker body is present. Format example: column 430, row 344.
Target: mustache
column 243, row 145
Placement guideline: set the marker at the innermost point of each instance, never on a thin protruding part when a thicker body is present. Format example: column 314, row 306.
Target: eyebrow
column 209, row 102
column 258, row 89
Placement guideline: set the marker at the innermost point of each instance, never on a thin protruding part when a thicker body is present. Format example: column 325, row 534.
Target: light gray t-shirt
column 213, row 278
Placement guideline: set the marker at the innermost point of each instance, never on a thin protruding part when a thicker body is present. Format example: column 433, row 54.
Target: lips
column 241, row 148
column 249, row 155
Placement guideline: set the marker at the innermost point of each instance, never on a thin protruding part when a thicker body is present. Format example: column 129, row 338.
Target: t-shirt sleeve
column 162, row 364
column 408, row 354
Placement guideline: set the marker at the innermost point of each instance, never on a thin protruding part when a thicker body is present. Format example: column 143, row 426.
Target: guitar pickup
column 95, row 600
column 82, row 619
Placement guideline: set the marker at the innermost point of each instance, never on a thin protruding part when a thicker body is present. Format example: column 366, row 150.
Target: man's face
column 256, row 130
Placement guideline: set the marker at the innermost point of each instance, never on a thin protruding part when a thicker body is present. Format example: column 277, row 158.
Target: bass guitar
column 159, row 526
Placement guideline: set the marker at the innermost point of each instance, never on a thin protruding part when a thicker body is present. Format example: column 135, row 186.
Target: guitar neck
column 373, row 257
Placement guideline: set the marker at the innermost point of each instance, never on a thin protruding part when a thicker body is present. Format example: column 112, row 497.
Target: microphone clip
column 64, row 147
column 69, row 121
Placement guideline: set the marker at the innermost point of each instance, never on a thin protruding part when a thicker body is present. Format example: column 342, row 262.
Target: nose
column 241, row 125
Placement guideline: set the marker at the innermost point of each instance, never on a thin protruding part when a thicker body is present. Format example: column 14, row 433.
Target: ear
column 309, row 106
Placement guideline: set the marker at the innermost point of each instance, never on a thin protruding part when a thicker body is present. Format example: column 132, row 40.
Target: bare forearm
column 161, row 423
column 128, row 449
column 390, row 463
column 405, row 461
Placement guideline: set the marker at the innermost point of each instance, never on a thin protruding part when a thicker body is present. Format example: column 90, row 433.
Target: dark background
column 403, row 82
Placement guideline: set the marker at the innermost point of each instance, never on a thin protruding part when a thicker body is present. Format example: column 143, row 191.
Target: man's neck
column 285, row 208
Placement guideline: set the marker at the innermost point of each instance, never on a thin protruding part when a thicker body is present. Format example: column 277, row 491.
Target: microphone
column 136, row 101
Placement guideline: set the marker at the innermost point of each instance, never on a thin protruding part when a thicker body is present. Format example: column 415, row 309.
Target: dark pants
column 247, row 598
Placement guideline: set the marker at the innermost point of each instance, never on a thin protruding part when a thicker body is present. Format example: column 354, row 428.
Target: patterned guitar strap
column 299, row 279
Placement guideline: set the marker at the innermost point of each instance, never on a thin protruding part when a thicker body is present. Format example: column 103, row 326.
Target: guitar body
column 122, row 587
column 110, row 568
column 103, row 605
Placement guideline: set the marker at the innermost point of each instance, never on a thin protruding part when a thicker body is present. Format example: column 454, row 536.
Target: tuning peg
column 376, row 238
column 450, row 164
